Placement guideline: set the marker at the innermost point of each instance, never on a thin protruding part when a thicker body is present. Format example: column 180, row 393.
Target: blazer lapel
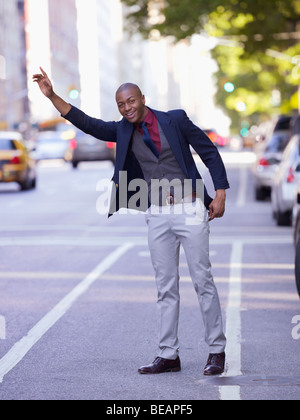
column 125, row 133
column 173, row 137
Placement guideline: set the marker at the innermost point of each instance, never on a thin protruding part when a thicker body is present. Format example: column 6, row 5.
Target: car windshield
column 7, row 144
column 278, row 143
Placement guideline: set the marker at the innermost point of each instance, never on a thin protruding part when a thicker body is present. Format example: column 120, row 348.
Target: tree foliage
column 250, row 35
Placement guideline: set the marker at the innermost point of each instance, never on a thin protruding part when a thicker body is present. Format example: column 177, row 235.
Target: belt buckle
column 170, row 200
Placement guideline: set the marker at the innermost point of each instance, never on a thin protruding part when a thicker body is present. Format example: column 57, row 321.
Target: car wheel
column 75, row 165
column 26, row 185
column 33, row 184
column 297, row 267
column 296, row 233
column 260, row 194
column 284, row 219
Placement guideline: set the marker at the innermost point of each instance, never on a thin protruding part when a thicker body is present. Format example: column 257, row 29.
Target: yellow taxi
column 16, row 164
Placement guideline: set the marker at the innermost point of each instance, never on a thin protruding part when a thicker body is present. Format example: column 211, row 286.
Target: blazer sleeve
column 106, row 131
column 207, row 151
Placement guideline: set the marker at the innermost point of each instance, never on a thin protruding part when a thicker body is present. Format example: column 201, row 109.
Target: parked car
column 296, row 232
column 296, row 215
column 216, row 138
column 85, row 148
column 285, row 183
column 16, row 162
column 268, row 160
column 51, row 145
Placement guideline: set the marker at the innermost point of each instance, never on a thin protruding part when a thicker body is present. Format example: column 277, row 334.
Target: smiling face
column 131, row 103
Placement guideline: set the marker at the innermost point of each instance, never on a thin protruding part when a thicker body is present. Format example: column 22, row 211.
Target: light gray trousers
column 169, row 227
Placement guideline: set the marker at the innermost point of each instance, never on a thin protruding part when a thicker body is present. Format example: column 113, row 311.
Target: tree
column 257, row 40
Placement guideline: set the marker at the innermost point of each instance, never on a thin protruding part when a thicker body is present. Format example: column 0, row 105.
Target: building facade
column 100, row 37
column 85, row 49
column 51, row 42
column 14, row 108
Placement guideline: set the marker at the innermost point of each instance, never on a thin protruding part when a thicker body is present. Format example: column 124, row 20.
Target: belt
column 170, row 200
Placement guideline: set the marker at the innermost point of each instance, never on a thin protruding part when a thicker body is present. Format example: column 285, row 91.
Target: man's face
column 131, row 105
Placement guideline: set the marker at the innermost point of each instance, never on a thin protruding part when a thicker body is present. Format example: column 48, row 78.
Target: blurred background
column 234, row 67
column 231, row 66
column 86, row 50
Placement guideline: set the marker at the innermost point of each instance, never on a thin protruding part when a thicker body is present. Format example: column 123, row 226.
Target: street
column 78, row 296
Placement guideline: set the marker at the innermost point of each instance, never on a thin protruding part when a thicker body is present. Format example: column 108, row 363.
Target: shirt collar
column 149, row 119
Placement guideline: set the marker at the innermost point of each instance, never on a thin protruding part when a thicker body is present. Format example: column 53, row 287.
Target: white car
column 51, row 145
column 285, row 183
column 267, row 163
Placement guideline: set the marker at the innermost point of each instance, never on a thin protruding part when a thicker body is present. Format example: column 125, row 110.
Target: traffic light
column 241, row 106
column 245, row 128
column 73, row 93
column 244, row 132
column 229, row 87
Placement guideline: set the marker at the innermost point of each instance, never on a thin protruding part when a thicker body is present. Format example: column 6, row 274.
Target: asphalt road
column 77, row 297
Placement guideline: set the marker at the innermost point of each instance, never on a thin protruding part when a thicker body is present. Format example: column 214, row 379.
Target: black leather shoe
column 161, row 365
column 215, row 364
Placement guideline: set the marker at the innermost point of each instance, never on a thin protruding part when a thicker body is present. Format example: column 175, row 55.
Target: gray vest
column 164, row 175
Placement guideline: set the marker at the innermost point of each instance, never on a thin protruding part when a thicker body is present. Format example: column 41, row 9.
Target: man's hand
column 44, row 83
column 47, row 89
column 217, row 207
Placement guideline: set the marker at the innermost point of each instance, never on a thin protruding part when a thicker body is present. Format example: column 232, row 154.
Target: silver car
column 85, row 148
column 267, row 163
column 285, row 183
column 50, row 145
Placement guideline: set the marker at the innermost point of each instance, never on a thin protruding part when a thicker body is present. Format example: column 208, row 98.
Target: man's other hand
column 217, row 207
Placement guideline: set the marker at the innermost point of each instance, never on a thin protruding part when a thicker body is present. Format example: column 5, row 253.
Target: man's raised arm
column 47, row 89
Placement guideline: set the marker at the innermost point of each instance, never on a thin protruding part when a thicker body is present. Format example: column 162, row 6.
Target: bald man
column 154, row 147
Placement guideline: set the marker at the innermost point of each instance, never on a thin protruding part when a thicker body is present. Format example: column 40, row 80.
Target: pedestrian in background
column 153, row 145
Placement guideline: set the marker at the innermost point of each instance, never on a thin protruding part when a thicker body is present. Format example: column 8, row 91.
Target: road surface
column 77, row 297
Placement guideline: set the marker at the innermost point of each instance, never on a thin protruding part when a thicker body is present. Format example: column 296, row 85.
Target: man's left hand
column 217, row 207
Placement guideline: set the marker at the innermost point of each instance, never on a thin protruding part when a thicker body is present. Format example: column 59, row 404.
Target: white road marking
column 233, row 323
column 2, row 328
column 242, row 193
column 16, row 354
column 137, row 240
column 66, row 228
column 236, row 159
column 147, row 254
column 255, row 230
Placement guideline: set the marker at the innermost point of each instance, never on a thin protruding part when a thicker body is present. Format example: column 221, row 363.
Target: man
column 155, row 146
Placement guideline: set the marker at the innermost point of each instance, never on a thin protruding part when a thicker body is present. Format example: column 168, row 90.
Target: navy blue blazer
column 180, row 132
